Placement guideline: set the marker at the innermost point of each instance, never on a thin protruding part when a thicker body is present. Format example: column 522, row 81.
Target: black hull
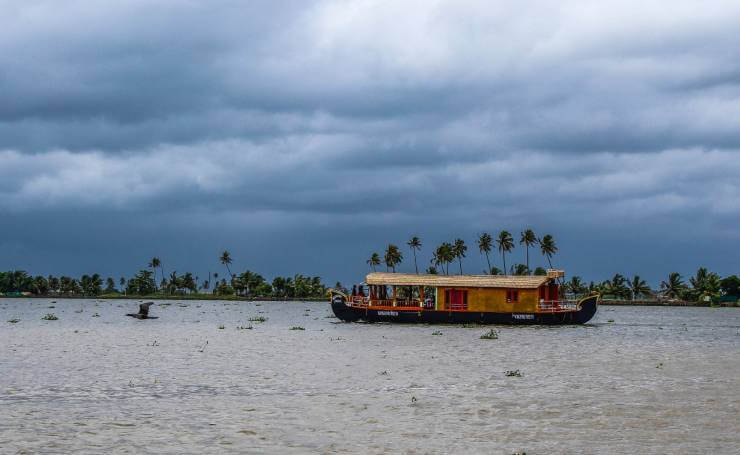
column 353, row 314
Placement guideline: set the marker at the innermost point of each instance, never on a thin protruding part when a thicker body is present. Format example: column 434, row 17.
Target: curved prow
column 588, row 306
column 339, row 307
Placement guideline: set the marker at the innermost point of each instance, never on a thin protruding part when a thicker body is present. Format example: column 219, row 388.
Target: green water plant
column 436, row 332
column 490, row 335
column 258, row 319
column 513, row 373
column 14, row 321
column 244, row 327
column 297, row 327
column 49, row 317
column 221, row 327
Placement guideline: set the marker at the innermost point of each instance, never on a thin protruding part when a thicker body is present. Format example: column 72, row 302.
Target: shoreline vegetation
column 144, row 284
column 704, row 289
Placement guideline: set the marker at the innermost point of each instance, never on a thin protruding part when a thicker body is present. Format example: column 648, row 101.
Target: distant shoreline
column 168, row 297
column 610, row 302
column 605, row 302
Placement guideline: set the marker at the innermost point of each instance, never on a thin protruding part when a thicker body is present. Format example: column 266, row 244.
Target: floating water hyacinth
column 50, row 317
column 490, row 335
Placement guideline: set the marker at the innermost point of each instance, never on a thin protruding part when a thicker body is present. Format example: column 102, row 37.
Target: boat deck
column 544, row 306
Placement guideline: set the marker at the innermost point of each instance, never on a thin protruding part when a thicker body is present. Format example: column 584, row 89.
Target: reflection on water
column 656, row 380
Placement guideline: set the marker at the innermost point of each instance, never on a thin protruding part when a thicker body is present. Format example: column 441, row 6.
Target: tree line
column 704, row 285
column 448, row 253
column 153, row 280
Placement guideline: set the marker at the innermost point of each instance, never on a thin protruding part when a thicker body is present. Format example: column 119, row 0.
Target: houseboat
column 485, row 299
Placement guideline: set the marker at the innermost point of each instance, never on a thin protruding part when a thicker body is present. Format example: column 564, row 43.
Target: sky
column 302, row 136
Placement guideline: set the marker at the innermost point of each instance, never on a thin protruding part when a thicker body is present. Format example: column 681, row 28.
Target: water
column 656, row 380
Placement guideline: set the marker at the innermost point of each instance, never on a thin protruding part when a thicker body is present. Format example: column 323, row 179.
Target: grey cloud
column 589, row 119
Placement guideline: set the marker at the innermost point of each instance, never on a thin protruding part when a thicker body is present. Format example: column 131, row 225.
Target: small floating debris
column 297, row 327
column 413, row 399
column 49, row 317
column 383, row 373
column 610, row 320
column 221, row 327
column 51, row 306
column 490, row 335
column 95, row 315
column 513, row 373
column 244, row 327
column 258, row 319
column 436, row 332
column 659, row 366
column 14, row 321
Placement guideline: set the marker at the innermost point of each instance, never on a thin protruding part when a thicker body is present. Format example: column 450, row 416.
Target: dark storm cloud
column 456, row 117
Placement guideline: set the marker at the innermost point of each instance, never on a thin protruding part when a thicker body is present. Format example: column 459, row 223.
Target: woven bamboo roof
column 469, row 281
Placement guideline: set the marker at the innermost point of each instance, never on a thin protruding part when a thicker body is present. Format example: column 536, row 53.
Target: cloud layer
column 365, row 122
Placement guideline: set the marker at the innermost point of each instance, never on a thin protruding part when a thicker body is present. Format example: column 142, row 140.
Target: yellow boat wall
column 494, row 300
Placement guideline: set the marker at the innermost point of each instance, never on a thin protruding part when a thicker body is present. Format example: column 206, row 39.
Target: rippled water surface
column 655, row 380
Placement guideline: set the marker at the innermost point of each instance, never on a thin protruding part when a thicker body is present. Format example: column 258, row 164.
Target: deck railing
column 558, row 306
column 359, row 301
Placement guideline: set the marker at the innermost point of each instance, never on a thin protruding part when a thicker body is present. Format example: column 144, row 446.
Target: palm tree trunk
column 503, row 256
column 489, row 262
column 415, row 266
column 460, row 260
column 527, row 245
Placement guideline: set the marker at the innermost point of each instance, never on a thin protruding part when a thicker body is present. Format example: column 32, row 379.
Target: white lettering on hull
column 387, row 313
column 523, row 316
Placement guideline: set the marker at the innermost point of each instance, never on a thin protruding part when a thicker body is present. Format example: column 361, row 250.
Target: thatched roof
column 470, row 281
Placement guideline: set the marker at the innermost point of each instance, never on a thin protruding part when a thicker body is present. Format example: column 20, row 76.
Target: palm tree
column 528, row 239
column 458, row 250
column 548, row 247
column 674, row 287
column 226, row 260
column 443, row 256
column 153, row 264
column 617, row 286
column 414, row 244
column 485, row 241
column 393, row 256
column 705, row 283
column 374, row 261
column 638, row 287
column 505, row 244
column 575, row 285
